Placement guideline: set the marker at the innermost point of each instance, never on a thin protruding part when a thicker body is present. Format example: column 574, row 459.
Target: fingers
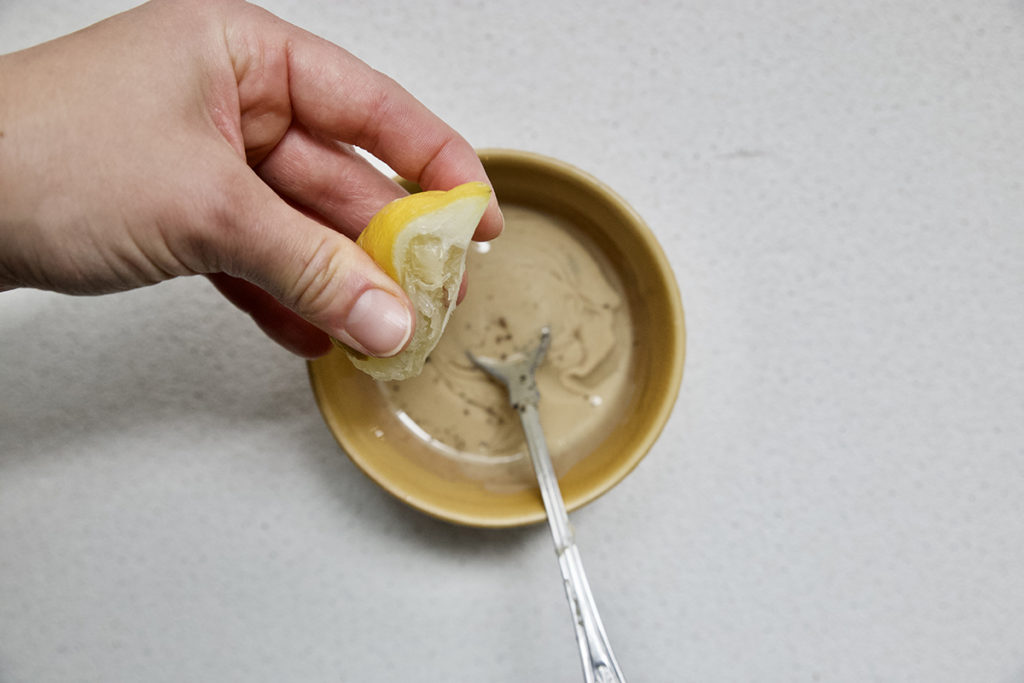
column 334, row 94
column 311, row 269
column 329, row 178
column 279, row 323
column 298, row 144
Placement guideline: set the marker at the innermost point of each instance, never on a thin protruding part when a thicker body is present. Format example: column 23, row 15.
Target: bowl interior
column 370, row 433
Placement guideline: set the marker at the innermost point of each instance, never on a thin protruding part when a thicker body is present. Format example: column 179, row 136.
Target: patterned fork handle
column 599, row 664
column 517, row 374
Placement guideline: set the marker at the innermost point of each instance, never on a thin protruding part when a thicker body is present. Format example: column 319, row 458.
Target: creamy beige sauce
column 541, row 271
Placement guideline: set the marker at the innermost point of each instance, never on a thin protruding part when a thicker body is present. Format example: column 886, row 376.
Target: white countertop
column 839, row 495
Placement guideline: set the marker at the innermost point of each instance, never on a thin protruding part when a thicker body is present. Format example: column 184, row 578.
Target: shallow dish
column 363, row 417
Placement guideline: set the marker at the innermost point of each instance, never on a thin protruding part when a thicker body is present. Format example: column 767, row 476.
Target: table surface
column 838, row 496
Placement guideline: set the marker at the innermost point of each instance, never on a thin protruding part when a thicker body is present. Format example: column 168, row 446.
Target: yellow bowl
column 369, row 431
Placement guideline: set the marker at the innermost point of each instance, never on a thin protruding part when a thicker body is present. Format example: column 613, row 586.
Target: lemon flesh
column 421, row 242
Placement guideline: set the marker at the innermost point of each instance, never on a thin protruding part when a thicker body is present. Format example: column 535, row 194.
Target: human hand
column 210, row 137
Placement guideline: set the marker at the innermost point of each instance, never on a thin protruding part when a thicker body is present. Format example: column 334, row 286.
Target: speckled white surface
column 839, row 495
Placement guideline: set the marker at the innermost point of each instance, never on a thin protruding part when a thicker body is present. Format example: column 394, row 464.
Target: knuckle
column 315, row 291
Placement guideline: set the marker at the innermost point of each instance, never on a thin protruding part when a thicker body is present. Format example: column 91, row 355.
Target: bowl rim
column 662, row 408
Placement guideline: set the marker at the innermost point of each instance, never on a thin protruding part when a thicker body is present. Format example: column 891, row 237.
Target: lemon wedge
column 421, row 242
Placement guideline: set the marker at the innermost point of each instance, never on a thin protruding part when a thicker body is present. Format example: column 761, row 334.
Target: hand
column 210, row 137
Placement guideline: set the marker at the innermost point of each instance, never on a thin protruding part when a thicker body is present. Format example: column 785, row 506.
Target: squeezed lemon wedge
column 421, row 242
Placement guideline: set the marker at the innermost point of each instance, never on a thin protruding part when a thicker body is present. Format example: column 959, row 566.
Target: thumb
column 315, row 271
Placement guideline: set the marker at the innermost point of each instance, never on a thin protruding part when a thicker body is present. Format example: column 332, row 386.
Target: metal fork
column 517, row 374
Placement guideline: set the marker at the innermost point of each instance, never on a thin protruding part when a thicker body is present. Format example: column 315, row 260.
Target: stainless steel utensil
column 517, row 374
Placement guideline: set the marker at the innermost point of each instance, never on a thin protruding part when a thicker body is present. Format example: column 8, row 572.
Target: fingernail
column 378, row 324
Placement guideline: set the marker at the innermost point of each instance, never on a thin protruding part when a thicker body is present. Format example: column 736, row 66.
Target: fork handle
column 599, row 664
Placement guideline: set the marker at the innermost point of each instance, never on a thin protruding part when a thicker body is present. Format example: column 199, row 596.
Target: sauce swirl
column 541, row 271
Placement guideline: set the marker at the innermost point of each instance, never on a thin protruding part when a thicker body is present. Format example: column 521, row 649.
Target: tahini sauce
column 540, row 271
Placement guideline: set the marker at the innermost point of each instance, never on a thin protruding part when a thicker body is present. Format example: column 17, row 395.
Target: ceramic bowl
column 369, row 432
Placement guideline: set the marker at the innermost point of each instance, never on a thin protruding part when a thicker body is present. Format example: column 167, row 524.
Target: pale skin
column 209, row 137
